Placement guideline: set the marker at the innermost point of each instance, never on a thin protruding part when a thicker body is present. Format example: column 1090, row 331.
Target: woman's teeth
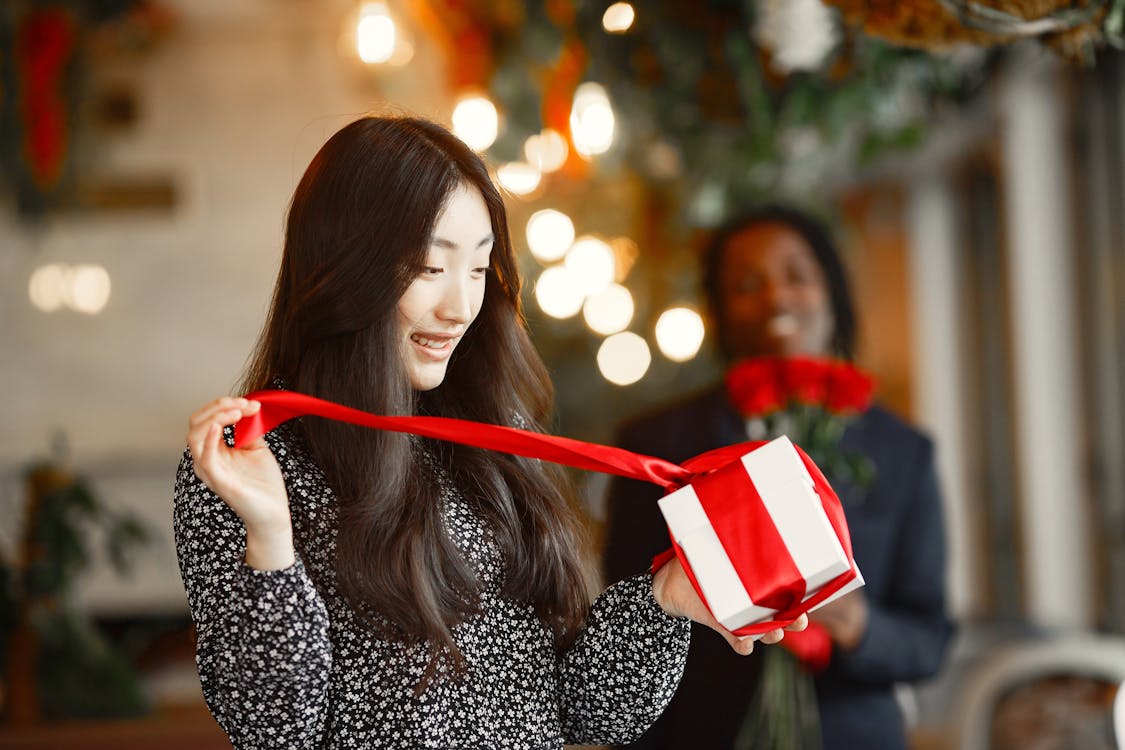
column 782, row 325
column 443, row 344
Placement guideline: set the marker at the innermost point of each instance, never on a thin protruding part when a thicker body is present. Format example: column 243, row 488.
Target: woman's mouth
column 435, row 348
column 436, row 344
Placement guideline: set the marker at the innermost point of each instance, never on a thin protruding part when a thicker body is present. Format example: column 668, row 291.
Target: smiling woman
column 361, row 588
column 439, row 306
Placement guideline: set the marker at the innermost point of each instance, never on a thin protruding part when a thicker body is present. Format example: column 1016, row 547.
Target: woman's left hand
column 676, row 596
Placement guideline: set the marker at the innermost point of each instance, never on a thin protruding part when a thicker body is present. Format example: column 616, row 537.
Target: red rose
column 754, row 386
column 849, row 389
column 806, row 379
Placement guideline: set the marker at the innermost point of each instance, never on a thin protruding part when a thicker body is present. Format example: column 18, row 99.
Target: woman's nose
column 456, row 302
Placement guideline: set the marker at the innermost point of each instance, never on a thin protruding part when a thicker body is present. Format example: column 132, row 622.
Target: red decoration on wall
column 45, row 44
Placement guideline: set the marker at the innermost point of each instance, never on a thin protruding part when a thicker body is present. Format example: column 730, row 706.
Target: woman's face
column 773, row 297
column 438, row 306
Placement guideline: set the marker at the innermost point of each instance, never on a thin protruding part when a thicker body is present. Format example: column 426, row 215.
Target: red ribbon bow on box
column 744, row 531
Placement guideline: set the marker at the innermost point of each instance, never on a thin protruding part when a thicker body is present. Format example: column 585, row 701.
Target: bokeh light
column 559, row 292
column 593, row 261
column 518, row 177
column 623, row 358
column 476, row 122
column 89, row 289
column 547, row 151
column 550, row 234
column 679, row 333
column 618, row 18
column 47, row 287
column 609, row 311
column 592, row 120
column 375, row 34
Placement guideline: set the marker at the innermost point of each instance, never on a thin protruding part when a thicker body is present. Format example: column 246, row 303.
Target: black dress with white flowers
column 286, row 664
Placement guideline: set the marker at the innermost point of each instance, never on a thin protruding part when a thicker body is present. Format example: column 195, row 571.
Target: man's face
column 773, row 297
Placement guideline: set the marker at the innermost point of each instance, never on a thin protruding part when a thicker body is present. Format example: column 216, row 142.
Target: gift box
column 757, row 539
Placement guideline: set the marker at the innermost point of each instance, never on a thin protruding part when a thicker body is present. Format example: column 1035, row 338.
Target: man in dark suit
column 776, row 286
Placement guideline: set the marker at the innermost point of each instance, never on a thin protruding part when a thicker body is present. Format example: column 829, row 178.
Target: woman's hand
column 247, row 479
column 676, row 596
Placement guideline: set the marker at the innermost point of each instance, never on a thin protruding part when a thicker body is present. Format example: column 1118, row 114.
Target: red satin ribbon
column 757, row 538
column 742, row 522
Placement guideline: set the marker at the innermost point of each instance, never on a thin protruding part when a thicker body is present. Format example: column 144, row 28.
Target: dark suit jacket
column 899, row 543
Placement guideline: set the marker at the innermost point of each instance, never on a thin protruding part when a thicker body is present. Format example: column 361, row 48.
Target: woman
column 776, row 287
column 355, row 588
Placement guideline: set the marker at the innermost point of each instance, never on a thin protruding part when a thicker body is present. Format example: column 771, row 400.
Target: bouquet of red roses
column 810, row 400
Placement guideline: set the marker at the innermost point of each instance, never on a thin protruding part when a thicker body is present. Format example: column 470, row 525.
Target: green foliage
column 690, row 75
column 79, row 673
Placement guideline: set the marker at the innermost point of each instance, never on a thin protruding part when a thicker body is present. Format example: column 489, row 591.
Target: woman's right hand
column 247, row 479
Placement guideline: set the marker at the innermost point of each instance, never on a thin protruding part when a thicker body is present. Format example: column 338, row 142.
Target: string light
column 88, row 291
column 518, row 177
column 679, row 333
column 623, row 358
column 609, row 311
column 547, row 150
column 47, row 287
column 476, row 122
column 559, row 292
column 84, row 288
column 592, row 120
column 592, row 261
column 375, row 34
column 550, row 234
column 618, row 18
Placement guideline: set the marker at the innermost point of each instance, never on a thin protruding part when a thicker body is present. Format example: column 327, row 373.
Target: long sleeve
column 908, row 628
column 624, row 668
column 262, row 650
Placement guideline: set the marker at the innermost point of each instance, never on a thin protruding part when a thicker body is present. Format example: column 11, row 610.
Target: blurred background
column 968, row 155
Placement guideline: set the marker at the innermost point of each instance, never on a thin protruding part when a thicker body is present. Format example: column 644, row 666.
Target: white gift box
column 787, row 493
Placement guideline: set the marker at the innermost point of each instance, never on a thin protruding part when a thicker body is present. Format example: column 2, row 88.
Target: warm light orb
column 403, row 54
column 592, row 260
column 623, row 358
column 609, row 311
column 591, row 120
column 550, row 234
column 679, row 333
column 559, row 292
column 518, row 177
column 476, row 122
column 47, row 286
column 547, row 150
column 89, row 288
column 618, row 18
column 375, row 34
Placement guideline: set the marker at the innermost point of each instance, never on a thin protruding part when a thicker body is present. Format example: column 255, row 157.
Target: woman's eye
column 482, row 270
column 431, row 270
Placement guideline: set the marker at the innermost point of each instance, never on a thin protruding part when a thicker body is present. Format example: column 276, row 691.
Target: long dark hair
column 357, row 233
column 818, row 238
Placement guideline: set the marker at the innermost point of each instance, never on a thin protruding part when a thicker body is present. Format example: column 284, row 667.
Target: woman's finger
column 224, row 412
column 203, row 455
column 204, row 413
column 773, row 636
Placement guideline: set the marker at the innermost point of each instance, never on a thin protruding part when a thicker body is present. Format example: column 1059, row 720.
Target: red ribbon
column 754, row 537
column 742, row 522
